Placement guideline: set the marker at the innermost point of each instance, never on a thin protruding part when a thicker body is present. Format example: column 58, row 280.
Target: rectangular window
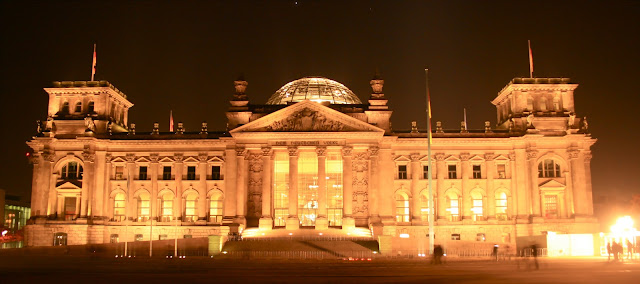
column 455, row 237
column 187, row 236
column 142, row 173
column 480, row 237
column 119, row 172
column 138, row 238
column 425, row 172
column 113, row 238
column 551, row 206
column 502, row 172
column 215, row 173
column 162, row 237
column 191, row 173
column 402, row 172
column 166, row 173
column 477, row 171
column 69, row 208
column 452, row 172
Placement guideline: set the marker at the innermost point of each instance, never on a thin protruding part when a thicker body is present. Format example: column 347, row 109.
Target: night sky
column 184, row 57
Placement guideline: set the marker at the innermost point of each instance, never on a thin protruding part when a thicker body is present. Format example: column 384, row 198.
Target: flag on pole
column 93, row 66
column 465, row 119
column 171, row 121
column 428, row 105
column 530, row 60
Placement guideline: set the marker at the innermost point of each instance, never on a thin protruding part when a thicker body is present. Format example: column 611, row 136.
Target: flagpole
column 93, row 65
column 530, row 59
column 465, row 119
column 430, row 169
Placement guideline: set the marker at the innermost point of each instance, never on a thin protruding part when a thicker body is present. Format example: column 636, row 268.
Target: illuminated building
column 313, row 156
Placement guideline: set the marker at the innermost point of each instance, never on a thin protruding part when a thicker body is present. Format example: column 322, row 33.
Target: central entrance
column 307, row 188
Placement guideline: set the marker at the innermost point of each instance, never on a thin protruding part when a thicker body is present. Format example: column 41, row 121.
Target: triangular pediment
column 191, row 160
column 166, row 160
column 551, row 184
column 307, row 116
column 69, row 185
column 118, row 160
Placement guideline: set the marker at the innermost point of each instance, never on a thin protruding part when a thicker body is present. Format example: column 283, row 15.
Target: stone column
column 322, row 223
column 415, row 189
column 293, row 222
column 465, row 172
column 348, row 222
column 577, row 180
column 534, row 191
column 588, row 187
column 230, row 178
column 441, row 172
column 490, row 167
column 266, row 221
column 202, row 187
column 106, row 189
column 241, row 186
column 386, row 189
column 153, row 202
column 130, row 202
column 178, row 202
column 39, row 195
column 519, row 184
column 374, row 187
column 47, row 178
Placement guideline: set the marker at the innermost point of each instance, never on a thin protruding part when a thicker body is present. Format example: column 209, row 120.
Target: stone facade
column 310, row 163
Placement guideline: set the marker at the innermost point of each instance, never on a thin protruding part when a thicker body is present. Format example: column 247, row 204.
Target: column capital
column 293, row 151
column 88, row 157
column 130, row 157
column 464, row 157
column 108, row 157
column 439, row 156
column 587, row 156
column 49, row 156
column 321, row 151
column 532, row 154
column 266, row 151
column 178, row 157
column 154, row 157
column 34, row 159
column 347, row 151
column 573, row 153
column 489, row 156
column 512, row 156
column 202, row 157
column 240, row 151
column 414, row 157
column 374, row 151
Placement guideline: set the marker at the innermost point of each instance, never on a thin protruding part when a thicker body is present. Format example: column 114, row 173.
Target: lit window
column 71, row 171
column 187, row 236
column 167, row 207
column 424, row 207
column 142, row 173
column 402, row 207
column 113, row 238
column 70, row 208
column 455, row 237
column 477, row 171
column 502, row 172
column 60, row 239
column 452, row 172
column 453, row 210
column 166, row 173
column 334, row 189
column 215, row 173
column 501, row 206
column 143, row 207
column 191, row 173
column 119, row 207
column 402, row 172
column 481, row 237
column 281, row 189
column 138, row 237
column 476, row 209
column 190, row 208
column 551, row 206
column 548, row 168
column 215, row 208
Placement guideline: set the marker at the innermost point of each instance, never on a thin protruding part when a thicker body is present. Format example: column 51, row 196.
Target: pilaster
column 266, row 221
column 293, row 222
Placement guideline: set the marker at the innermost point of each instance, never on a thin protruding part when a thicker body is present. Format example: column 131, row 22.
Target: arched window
column 424, row 207
column 91, row 107
column 501, row 206
column 143, row 207
column 65, row 107
column 453, row 211
column 190, row 207
column 71, row 171
column 78, row 107
column 167, row 207
column 548, row 168
column 477, row 211
column 215, row 208
column 402, row 207
column 119, row 207
column 556, row 103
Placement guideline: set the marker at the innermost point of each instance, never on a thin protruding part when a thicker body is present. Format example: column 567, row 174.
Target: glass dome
column 317, row 89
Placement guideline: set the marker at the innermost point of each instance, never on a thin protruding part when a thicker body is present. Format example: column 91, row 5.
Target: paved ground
column 77, row 269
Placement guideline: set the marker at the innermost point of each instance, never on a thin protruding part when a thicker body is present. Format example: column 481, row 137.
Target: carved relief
column 439, row 156
column 374, row 150
column 414, row 157
column 464, row 156
column 202, row 157
column 489, row 156
column 360, row 198
column 130, row 157
column 108, row 158
column 254, row 200
column 346, row 151
column 178, row 157
column 573, row 153
column 532, row 154
column 512, row 156
column 240, row 151
column 587, row 156
column 88, row 157
column 321, row 151
column 255, row 162
column 266, row 151
column 293, row 151
column 307, row 120
column 34, row 159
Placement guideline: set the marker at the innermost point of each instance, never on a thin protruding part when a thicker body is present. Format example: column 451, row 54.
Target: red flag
column 93, row 68
column 171, row 121
column 530, row 61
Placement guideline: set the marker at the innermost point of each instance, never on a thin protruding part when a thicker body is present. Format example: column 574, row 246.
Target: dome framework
column 317, row 89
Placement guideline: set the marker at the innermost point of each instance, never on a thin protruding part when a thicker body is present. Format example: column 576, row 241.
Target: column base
column 265, row 224
column 348, row 224
column 293, row 223
column 240, row 220
column 322, row 223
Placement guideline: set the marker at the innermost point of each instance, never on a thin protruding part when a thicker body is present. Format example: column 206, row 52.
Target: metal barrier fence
column 299, row 238
column 360, row 255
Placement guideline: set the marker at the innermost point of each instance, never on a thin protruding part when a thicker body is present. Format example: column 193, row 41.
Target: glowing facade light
column 404, row 235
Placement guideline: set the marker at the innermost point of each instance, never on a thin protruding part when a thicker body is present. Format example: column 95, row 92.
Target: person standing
column 534, row 253
column 609, row 251
column 629, row 249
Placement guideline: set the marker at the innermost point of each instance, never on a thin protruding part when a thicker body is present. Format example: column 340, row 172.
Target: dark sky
column 183, row 56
